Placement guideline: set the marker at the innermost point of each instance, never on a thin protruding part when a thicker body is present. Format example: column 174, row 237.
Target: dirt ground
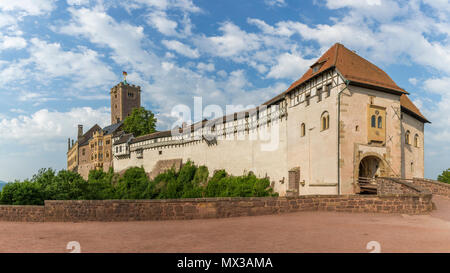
column 293, row 232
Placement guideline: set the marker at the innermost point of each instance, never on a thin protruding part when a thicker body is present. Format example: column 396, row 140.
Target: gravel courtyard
column 294, row 232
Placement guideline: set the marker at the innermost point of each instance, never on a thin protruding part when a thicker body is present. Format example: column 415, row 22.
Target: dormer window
column 316, row 67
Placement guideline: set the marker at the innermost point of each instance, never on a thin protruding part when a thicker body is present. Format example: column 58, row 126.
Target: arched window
column 380, row 122
column 416, row 140
column 373, row 123
column 303, row 130
column 407, row 137
column 325, row 121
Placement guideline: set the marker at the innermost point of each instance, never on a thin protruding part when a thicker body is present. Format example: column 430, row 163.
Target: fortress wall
column 235, row 156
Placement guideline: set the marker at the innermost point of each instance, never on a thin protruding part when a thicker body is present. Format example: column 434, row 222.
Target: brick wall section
column 21, row 213
column 435, row 187
column 394, row 197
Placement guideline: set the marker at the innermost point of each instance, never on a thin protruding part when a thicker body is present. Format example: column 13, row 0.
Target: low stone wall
column 14, row 213
column 435, row 187
column 387, row 186
column 394, row 196
column 201, row 208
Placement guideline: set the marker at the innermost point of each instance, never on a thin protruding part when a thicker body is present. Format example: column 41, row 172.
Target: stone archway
column 370, row 165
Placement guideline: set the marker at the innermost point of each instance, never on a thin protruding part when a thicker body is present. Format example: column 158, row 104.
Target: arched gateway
column 370, row 167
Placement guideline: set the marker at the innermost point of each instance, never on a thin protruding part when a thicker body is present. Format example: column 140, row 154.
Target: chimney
column 80, row 131
column 68, row 144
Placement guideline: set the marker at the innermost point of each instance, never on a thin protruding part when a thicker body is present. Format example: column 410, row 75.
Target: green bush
column 445, row 176
column 190, row 182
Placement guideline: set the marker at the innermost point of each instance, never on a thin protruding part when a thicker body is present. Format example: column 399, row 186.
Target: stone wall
column 13, row 213
column 435, row 187
column 388, row 186
column 200, row 208
column 394, row 196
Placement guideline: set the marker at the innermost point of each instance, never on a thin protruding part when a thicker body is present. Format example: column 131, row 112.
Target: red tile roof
column 352, row 66
column 357, row 70
column 407, row 104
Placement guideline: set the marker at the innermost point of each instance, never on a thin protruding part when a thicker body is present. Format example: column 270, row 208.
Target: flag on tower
column 124, row 77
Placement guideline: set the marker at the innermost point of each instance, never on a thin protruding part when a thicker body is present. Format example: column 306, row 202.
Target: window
column 325, row 121
column 303, row 130
column 357, row 128
column 373, row 122
column 319, row 94
column 117, row 150
column 407, row 137
column 83, row 151
column 108, row 142
column 328, row 89
column 130, row 95
column 315, row 68
column 308, row 96
column 120, row 149
column 107, row 154
column 160, row 152
column 380, row 122
column 412, row 167
column 416, row 140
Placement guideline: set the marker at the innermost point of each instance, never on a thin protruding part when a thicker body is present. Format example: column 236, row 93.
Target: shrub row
column 190, row 182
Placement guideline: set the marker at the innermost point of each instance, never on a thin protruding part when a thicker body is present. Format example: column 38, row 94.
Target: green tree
column 445, row 176
column 140, row 122
column 133, row 184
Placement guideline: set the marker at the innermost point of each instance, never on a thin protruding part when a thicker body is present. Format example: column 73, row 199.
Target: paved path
column 294, row 232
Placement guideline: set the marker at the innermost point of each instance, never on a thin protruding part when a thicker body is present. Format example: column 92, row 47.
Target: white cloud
column 181, row 48
column 290, row 66
column 206, row 67
column 82, row 65
column 184, row 5
column 278, row 3
column 77, row 2
column 438, row 85
column 231, row 43
column 47, row 127
column 412, row 81
column 123, row 38
column 29, row 7
column 10, row 42
column 163, row 24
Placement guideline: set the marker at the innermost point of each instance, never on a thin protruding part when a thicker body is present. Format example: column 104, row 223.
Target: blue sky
column 58, row 60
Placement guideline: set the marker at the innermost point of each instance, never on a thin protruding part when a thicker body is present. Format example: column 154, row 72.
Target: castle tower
column 124, row 98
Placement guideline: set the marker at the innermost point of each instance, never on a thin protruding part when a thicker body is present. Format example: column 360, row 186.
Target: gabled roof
column 123, row 139
column 112, row 128
column 84, row 140
column 408, row 106
column 352, row 67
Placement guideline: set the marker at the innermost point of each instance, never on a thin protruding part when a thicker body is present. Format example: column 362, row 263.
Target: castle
column 93, row 149
column 343, row 122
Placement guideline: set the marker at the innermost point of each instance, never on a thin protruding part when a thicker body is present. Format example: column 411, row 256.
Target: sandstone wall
column 394, row 197
column 14, row 213
column 435, row 187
